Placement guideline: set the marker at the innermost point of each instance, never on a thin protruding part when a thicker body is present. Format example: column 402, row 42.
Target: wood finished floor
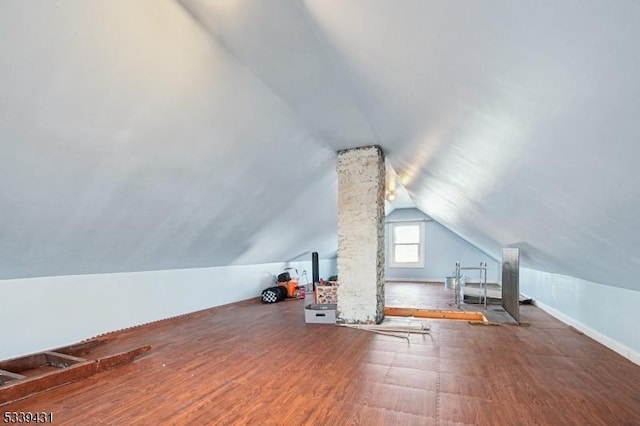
column 258, row 364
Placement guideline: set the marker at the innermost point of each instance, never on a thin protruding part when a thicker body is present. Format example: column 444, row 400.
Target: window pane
column 407, row 234
column 409, row 253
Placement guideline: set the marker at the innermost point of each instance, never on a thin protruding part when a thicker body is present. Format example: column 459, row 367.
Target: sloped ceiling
column 131, row 140
column 159, row 134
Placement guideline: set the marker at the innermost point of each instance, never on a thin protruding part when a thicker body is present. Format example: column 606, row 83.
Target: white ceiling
column 159, row 134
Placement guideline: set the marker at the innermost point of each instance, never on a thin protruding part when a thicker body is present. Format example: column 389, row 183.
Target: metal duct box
column 315, row 313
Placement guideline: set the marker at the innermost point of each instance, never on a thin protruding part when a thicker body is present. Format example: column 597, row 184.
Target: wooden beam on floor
column 435, row 314
column 19, row 389
column 84, row 348
column 68, row 369
column 24, row 363
column 59, row 360
column 121, row 358
column 7, row 376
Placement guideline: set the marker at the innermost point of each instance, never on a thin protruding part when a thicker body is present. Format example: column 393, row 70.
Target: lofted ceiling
column 174, row 134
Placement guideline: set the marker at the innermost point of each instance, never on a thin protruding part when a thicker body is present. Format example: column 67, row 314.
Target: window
column 407, row 245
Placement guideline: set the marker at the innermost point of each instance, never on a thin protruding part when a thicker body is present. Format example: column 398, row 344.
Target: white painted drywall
column 443, row 249
column 48, row 312
column 608, row 314
column 132, row 140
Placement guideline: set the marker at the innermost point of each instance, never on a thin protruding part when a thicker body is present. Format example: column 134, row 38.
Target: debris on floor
column 396, row 327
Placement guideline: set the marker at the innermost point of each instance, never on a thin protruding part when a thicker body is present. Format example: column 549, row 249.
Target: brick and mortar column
column 361, row 190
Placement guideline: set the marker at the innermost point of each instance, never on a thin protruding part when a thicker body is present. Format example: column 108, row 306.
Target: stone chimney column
column 361, row 191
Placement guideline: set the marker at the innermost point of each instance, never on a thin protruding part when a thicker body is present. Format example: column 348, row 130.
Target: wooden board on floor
column 18, row 389
column 66, row 369
column 432, row 313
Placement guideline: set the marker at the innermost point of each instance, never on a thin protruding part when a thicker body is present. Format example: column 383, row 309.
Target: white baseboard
column 610, row 343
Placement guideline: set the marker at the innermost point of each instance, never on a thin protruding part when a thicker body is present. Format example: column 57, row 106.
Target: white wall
column 443, row 249
column 328, row 267
column 49, row 312
column 607, row 314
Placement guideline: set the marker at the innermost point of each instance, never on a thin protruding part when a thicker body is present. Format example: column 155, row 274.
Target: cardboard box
column 320, row 314
column 327, row 294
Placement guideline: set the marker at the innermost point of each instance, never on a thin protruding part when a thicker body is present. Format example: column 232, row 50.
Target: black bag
column 274, row 294
column 284, row 277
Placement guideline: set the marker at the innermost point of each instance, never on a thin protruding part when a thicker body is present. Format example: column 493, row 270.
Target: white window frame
column 391, row 246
